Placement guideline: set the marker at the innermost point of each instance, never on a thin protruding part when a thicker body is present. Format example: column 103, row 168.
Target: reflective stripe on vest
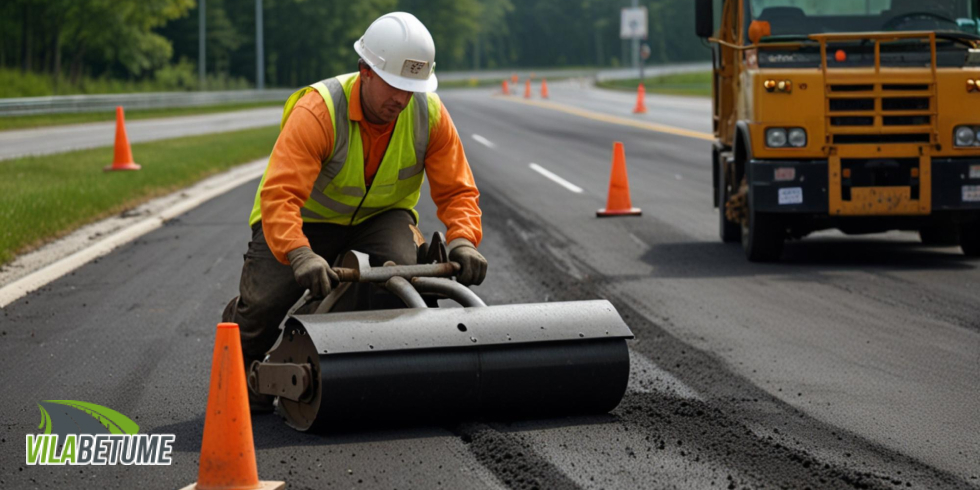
column 339, row 194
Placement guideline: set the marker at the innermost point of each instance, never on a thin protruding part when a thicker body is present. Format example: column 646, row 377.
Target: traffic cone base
column 227, row 450
column 618, row 203
column 605, row 213
column 263, row 485
column 123, row 166
column 122, row 158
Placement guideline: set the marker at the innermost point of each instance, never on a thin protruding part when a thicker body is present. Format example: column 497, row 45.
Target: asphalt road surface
column 853, row 363
column 56, row 139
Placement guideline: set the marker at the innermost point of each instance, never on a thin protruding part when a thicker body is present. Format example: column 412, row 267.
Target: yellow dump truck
column 860, row 115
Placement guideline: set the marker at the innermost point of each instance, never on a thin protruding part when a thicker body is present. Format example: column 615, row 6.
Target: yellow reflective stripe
column 332, row 204
column 352, row 191
column 333, row 94
column 340, row 120
column 409, row 172
column 421, row 130
column 306, row 212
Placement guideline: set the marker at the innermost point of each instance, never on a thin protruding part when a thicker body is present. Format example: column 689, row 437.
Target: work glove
column 473, row 267
column 312, row 271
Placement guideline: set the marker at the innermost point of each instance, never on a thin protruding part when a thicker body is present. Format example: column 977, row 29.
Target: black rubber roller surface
column 497, row 362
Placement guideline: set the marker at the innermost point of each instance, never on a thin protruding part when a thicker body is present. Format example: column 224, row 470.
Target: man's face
column 381, row 102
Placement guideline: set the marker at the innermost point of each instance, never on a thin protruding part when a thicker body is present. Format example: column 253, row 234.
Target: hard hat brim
column 409, row 84
column 402, row 83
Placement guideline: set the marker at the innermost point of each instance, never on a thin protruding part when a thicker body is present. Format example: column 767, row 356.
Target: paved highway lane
column 877, row 335
column 57, row 139
column 853, row 363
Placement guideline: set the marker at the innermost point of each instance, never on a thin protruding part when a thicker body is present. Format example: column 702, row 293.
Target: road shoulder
column 33, row 270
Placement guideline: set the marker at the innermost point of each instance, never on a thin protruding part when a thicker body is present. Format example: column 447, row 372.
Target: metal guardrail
column 153, row 100
column 158, row 100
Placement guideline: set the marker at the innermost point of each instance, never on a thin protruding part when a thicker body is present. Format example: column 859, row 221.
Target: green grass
column 45, row 197
column 694, row 84
column 39, row 120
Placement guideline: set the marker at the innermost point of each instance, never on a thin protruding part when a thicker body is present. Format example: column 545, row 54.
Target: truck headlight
column 797, row 137
column 775, row 137
column 964, row 136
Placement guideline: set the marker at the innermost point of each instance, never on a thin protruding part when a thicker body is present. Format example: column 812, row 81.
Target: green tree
column 308, row 40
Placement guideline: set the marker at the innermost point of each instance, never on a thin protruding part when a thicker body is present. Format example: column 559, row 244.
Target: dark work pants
column 268, row 288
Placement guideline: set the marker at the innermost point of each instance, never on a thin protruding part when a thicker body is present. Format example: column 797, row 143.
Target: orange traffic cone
column 527, row 88
column 227, row 451
column 513, row 78
column 544, row 89
column 618, row 203
column 641, row 103
column 506, row 88
column 123, row 158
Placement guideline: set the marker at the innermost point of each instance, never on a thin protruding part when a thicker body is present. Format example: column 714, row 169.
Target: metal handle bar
column 382, row 274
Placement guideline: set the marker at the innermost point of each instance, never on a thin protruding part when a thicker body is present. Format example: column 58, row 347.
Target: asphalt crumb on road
column 765, row 441
column 511, row 460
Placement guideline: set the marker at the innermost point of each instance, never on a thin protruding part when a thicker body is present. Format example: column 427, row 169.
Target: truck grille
column 870, row 113
column 870, row 139
column 878, row 104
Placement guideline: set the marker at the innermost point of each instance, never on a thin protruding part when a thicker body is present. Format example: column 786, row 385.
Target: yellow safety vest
column 340, row 194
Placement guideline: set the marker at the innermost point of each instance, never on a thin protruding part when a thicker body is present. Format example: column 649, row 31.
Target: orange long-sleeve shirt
column 307, row 140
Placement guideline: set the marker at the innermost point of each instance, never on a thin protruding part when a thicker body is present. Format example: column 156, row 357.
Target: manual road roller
column 408, row 359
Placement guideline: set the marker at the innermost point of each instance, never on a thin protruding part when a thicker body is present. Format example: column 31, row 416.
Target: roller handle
column 382, row 274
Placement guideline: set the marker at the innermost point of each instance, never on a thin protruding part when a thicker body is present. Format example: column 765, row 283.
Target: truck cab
column 862, row 116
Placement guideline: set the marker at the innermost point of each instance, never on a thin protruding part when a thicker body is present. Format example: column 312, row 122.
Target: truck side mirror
column 704, row 18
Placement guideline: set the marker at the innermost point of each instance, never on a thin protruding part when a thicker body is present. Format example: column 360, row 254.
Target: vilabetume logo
column 82, row 433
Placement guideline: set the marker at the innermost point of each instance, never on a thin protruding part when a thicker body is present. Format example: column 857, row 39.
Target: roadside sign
column 633, row 23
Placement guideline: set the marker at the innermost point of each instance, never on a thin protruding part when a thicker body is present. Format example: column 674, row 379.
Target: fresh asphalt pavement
column 851, row 363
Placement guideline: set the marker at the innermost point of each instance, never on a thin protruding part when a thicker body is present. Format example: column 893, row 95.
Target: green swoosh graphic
column 45, row 420
column 116, row 422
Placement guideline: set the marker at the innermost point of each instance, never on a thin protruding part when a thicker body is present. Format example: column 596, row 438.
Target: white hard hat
column 399, row 48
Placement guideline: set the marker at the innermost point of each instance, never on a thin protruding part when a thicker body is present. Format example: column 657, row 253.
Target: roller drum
column 382, row 367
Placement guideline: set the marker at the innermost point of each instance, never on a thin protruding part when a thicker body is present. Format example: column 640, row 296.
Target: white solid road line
column 558, row 180
column 208, row 189
column 483, row 141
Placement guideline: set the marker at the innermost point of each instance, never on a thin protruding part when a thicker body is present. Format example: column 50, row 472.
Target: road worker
column 346, row 174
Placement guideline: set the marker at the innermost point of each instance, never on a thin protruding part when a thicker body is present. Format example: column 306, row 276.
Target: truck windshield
column 796, row 18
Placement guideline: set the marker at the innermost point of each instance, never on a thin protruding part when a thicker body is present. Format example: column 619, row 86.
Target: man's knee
column 228, row 315
column 259, row 324
column 389, row 236
column 266, row 292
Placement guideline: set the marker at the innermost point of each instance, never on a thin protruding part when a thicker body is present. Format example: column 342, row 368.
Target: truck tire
column 763, row 235
column 939, row 236
column 730, row 232
column 970, row 239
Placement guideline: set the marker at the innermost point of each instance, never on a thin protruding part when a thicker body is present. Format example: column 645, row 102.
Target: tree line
column 306, row 40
